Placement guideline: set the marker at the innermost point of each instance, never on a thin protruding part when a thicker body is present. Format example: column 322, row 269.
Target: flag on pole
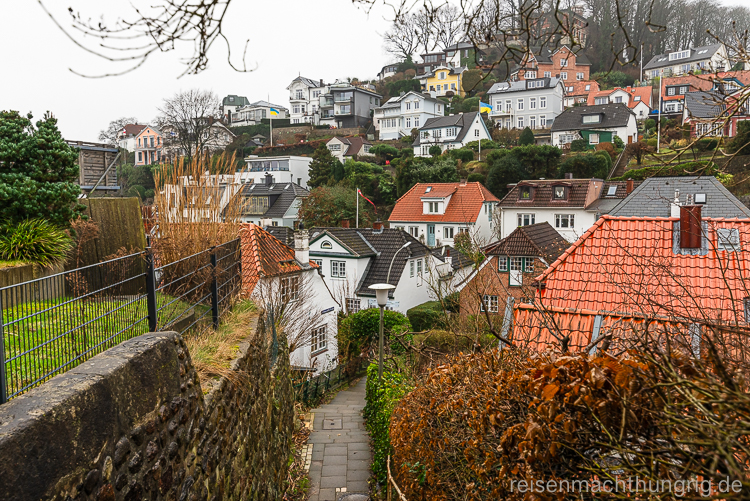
column 274, row 112
column 359, row 192
column 484, row 107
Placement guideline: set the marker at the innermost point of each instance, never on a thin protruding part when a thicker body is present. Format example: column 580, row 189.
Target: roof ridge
column 574, row 246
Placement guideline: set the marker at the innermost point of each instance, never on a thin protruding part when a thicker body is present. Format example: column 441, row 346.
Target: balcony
column 326, row 103
column 341, row 98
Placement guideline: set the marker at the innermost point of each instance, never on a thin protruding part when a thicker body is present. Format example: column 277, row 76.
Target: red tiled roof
column 625, row 269
column 263, row 255
column 579, row 88
column 132, row 129
column 464, row 205
column 643, row 92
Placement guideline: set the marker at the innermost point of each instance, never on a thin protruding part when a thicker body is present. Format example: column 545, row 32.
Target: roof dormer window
column 592, row 119
column 559, row 193
column 526, row 193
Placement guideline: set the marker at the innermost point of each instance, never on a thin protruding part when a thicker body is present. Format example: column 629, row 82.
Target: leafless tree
column 109, row 135
column 186, row 119
column 402, row 39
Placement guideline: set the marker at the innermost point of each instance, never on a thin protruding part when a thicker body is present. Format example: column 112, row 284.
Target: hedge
column 706, row 168
column 381, row 399
column 425, row 316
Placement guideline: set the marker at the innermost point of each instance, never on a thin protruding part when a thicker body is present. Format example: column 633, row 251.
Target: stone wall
column 133, row 424
column 287, row 134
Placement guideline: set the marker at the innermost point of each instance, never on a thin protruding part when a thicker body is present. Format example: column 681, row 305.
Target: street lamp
column 381, row 296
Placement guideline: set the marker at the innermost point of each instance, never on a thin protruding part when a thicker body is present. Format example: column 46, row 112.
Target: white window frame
column 289, row 288
column 448, row 232
column 567, row 219
column 526, row 216
column 594, row 138
column 519, row 104
column 338, row 269
column 542, row 103
column 492, row 303
column 353, row 305
column 579, row 75
column 318, row 339
column 502, row 263
column 564, row 75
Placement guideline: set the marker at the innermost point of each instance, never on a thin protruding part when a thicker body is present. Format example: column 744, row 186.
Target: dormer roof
column 464, row 207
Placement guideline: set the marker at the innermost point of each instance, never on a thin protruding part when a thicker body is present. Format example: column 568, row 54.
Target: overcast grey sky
column 326, row 39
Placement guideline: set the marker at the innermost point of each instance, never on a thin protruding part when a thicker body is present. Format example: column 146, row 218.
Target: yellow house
column 442, row 80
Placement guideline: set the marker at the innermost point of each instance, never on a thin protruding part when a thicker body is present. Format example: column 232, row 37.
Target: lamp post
column 381, row 295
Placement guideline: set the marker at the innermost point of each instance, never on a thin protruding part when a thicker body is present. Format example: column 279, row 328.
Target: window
column 326, row 245
column 411, row 269
column 476, row 132
column 564, row 220
column 531, row 74
column 507, row 105
column 453, row 86
column 502, row 263
column 591, row 119
column 670, row 91
column 507, row 123
column 319, row 262
column 532, row 103
column 528, row 264
column 579, row 76
column 419, row 267
column 289, row 289
column 416, row 121
column 463, row 230
column 679, row 55
column 683, row 90
column 728, row 239
column 520, row 122
column 532, row 122
column 637, row 98
column 316, row 93
column 416, row 105
column 140, row 156
column 542, row 120
column 318, row 339
column 447, row 231
column 547, row 74
column 414, row 231
column 563, row 63
column 559, row 193
column 489, row 302
column 520, row 104
column 516, row 264
column 334, row 147
column 564, row 75
column 432, row 207
column 567, row 138
column 338, row 269
column 612, row 190
column 593, row 138
column 353, row 305
column 542, row 102
column 408, row 123
column 525, row 193
column 588, row 86
column 618, row 99
column 525, row 219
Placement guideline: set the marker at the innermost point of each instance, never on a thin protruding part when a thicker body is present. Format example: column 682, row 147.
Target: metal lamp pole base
column 380, row 348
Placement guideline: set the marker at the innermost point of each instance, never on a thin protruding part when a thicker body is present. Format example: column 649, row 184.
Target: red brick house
column 563, row 63
column 509, row 268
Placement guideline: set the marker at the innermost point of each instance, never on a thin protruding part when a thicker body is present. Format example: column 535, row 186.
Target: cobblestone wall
column 133, row 424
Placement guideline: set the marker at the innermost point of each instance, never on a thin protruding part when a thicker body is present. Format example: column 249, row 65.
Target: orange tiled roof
column 464, row 205
column 625, row 270
column 643, row 92
column 263, row 255
column 579, row 87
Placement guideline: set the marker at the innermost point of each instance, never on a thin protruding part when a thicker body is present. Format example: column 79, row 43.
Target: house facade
column 714, row 114
column 578, row 92
column 344, row 148
column 272, row 204
column 709, row 58
column 283, row 169
column 451, row 132
column 562, row 63
column 230, row 104
column 305, row 99
column 526, row 103
column 253, row 113
column 430, row 61
column 347, row 105
column 388, row 71
column 637, row 99
column 400, row 114
column 566, row 204
column 353, row 259
column 674, row 89
column 283, row 278
column 436, row 213
column 507, row 273
column 149, row 146
column 126, row 137
column 443, row 81
column 596, row 124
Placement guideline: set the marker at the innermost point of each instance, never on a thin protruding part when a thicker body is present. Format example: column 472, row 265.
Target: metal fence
column 52, row 324
column 311, row 388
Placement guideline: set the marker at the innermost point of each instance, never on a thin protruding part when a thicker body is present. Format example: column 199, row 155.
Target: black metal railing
column 310, row 388
column 52, row 324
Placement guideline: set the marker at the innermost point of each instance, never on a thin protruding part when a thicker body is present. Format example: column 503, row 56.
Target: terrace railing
column 52, row 324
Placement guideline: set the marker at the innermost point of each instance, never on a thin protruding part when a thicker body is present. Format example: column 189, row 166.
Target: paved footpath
column 340, row 459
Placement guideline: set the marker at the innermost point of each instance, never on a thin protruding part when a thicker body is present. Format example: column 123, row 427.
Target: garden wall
column 14, row 275
column 133, row 423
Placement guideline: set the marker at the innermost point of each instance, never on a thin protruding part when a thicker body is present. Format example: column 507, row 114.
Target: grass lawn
column 44, row 338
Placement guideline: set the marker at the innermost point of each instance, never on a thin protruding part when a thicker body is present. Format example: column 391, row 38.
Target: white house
column 568, row 205
column 272, row 204
column 400, row 114
column 352, row 259
column 304, row 100
column 284, row 169
column 230, row 104
column 450, row 132
column 638, row 99
column 709, row 58
column 435, row 213
column 596, row 124
column 526, row 103
column 292, row 282
column 126, row 138
column 253, row 113
column 345, row 148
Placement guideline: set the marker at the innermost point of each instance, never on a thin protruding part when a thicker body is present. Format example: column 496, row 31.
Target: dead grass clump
column 212, row 352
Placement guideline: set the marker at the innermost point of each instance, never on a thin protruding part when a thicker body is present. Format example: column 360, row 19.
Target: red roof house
column 631, row 273
column 437, row 212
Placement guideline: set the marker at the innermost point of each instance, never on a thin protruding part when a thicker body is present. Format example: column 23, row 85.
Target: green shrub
column 741, row 142
column 477, row 177
column 463, row 154
column 435, row 150
column 579, row 145
column 651, row 142
column 704, row 168
column 487, row 144
column 650, row 124
column 384, row 151
column 526, row 138
column 34, row 241
column 426, row 316
column 381, row 398
column 361, row 329
column 618, row 142
column 707, row 144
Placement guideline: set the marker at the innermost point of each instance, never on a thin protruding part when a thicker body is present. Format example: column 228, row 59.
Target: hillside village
column 502, row 262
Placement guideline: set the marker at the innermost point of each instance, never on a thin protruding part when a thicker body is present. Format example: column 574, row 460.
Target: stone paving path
column 340, row 459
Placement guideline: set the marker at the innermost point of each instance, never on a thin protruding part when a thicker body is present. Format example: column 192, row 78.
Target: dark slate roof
column 542, row 194
column 522, row 85
column 662, row 60
column 283, row 234
column 282, row 195
column 381, row 246
column 701, row 104
column 459, row 259
column 463, row 120
column 237, row 101
column 607, row 202
column 614, row 115
column 539, row 239
column 654, row 196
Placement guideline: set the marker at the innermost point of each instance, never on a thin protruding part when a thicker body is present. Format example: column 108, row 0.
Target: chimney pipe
column 269, row 179
column 629, row 186
column 568, row 175
column 690, row 226
column 377, row 226
column 675, row 205
column 302, row 246
column 463, row 182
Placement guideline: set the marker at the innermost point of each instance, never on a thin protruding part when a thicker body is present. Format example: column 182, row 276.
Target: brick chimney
column 345, row 223
column 302, row 246
column 690, row 226
column 629, row 186
column 448, row 258
column 568, row 175
column 377, row 226
column 463, row 182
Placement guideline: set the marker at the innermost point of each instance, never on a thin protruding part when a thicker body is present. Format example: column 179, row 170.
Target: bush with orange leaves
column 474, row 428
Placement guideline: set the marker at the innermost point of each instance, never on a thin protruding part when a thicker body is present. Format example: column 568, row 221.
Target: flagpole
column 270, row 121
column 658, row 125
column 479, row 157
column 356, row 195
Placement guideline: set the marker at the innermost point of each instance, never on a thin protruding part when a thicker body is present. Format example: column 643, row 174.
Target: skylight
column 428, row 189
column 702, row 51
column 662, row 59
column 612, row 190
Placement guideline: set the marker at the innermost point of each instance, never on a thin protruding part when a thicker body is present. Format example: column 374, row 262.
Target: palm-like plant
column 36, row 241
